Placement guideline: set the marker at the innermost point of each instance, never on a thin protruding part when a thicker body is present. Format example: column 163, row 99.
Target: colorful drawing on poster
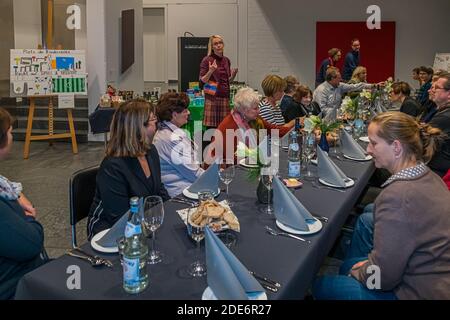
column 44, row 72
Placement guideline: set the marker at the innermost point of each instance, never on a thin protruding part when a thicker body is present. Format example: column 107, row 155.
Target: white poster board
column 442, row 61
column 47, row 72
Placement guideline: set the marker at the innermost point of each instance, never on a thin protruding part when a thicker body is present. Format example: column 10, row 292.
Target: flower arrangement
column 316, row 123
column 349, row 107
column 252, row 154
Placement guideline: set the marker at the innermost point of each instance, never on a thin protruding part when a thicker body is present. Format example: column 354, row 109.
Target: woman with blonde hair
column 131, row 167
column 359, row 75
column 409, row 248
column 216, row 73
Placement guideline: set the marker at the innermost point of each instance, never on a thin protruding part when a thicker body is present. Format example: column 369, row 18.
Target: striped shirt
column 271, row 114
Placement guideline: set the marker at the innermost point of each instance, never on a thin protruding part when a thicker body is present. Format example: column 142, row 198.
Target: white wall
column 27, row 24
column 282, row 33
column 133, row 78
column 155, row 57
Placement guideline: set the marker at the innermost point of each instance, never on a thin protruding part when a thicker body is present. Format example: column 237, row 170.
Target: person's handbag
column 210, row 88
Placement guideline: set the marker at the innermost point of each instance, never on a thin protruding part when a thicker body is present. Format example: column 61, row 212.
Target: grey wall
column 61, row 35
column 282, row 33
column 6, row 36
column 133, row 78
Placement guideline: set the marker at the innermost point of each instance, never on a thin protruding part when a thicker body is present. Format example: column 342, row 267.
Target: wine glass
column 196, row 230
column 226, row 175
column 153, row 219
column 267, row 176
column 309, row 150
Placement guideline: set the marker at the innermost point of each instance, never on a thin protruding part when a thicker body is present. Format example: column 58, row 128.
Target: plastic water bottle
column 294, row 162
column 135, row 252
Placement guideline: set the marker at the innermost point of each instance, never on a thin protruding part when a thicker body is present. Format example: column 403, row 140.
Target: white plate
column 364, row 139
column 209, row 295
column 314, row 162
column 348, row 184
column 98, row 247
column 194, row 196
column 368, row 158
column 242, row 163
column 313, row 228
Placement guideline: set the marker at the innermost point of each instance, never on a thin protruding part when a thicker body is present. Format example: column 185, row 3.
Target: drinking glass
column 197, row 233
column 267, row 176
column 226, row 175
column 153, row 219
column 309, row 150
column 121, row 245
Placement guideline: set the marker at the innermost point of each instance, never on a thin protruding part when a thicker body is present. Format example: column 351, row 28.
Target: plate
column 314, row 162
column 98, row 247
column 368, row 158
column 208, row 294
column 242, row 163
column 348, row 184
column 194, row 196
column 313, row 228
column 364, row 139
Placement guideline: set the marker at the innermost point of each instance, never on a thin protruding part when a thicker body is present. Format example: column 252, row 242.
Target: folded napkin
column 227, row 277
column 350, row 147
column 288, row 209
column 329, row 171
column 208, row 181
column 109, row 240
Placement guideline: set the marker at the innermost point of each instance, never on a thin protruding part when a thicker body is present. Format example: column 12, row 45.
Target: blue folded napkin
column 329, row 171
column 350, row 147
column 227, row 277
column 208, row 181
column 288, row 209
column 109, row 240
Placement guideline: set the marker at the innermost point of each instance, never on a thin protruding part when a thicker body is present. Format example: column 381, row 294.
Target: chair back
column 81, row 194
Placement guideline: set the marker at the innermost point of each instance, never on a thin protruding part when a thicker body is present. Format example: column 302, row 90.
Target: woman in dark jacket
column 303, row 107
column 401, row 92
column 21, row 236
column 131, row 167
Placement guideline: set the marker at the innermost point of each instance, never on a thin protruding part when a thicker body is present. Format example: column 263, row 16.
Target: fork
column 284, row 234
column 94, row 260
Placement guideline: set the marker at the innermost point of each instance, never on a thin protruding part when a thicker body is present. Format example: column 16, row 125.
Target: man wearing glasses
column 440, row 94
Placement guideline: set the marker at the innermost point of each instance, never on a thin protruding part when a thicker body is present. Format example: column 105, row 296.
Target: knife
column 269, row 281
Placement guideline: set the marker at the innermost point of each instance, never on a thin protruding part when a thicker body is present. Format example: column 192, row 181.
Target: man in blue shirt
column 352, row 60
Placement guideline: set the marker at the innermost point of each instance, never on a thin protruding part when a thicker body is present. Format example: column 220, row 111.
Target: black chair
column 81, row 194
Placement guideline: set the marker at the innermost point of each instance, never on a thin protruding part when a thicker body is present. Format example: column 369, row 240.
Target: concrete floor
column 45, row 179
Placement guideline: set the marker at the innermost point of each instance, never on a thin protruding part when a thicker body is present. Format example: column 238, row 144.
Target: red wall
column 377, row 46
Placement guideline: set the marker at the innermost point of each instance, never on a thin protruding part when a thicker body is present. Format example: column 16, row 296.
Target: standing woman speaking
column 216, row 74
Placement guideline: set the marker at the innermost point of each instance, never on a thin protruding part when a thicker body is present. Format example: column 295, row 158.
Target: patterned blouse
column 407, row 174
column 271, row 114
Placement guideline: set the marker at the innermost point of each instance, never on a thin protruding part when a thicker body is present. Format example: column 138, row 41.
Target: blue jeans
column 343, row 287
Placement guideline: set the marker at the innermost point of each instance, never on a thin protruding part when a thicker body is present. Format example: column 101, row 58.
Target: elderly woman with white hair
column 245, row 118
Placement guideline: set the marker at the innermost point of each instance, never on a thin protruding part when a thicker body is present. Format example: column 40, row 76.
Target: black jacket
column 411, row 107
column 21, row 246
column 118, row 180
column 440, row 163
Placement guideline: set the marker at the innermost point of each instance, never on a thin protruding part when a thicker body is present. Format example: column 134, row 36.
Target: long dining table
column 290, row 262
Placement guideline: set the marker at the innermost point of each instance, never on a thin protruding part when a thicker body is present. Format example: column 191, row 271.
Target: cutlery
column 317, row 186
column 321, row 218
column 94, row 260
column 268, row 287
column 185, row 202
column 284, row 234
column 262, row 278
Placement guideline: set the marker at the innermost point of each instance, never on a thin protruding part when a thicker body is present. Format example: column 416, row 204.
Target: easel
column 51, row 136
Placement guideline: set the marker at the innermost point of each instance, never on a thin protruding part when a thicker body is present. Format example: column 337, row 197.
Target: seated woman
column 305, row 105
column 21, row 236
column 273, row 87
column 407, row 255
column 179, row 166
column 241, row 121
column 291, row 84
column 400, row 93
column 131, row 167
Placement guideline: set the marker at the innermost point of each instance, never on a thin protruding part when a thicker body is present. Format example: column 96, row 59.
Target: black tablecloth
column 290, row 262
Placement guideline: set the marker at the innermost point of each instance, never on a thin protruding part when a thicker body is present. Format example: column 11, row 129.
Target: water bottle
column 135, row 252
column 294, row 154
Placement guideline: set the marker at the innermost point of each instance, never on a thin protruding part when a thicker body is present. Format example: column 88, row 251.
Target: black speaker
column 191, row 51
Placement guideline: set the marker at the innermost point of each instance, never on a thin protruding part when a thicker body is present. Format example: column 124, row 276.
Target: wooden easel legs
column 51, row 136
